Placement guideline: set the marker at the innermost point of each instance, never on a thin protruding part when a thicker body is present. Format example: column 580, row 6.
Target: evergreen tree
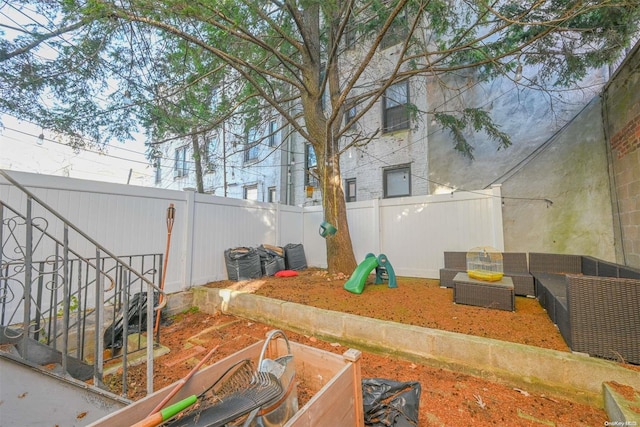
column 308, row 61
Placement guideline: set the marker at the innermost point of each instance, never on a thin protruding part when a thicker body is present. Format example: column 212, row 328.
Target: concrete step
column 622, row 404
column 41, row 354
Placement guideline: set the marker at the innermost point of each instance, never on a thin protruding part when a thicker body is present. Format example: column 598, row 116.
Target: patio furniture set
column 499, row 294
column 594, row 303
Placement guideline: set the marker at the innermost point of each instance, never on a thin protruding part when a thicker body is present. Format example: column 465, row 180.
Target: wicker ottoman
column 499, row 295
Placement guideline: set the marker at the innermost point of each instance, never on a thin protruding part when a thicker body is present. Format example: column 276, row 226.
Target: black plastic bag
column 390, row 403
column 270, row 260
column 136, row 319
column 294, row 256
column 242, row 264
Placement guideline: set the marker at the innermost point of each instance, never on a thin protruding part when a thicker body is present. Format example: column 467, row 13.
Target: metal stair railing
column 57, row 283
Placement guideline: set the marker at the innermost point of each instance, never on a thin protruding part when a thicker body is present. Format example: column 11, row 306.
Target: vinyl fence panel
column 128, row 220
column 414, row 232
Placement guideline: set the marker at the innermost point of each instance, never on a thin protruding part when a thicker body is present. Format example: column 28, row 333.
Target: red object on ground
column 286, row 273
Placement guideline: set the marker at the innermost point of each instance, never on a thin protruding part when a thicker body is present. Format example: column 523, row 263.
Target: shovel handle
column 152, row 421
column 166, row 413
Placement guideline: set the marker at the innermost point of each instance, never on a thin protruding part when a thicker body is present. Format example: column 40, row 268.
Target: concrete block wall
column 574, row 376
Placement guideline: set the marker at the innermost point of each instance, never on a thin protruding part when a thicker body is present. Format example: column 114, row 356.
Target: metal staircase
column 60, row 290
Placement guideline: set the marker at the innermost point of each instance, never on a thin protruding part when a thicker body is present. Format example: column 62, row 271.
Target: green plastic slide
column 357, row 280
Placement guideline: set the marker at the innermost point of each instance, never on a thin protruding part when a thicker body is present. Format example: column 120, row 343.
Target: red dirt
column 448, row 398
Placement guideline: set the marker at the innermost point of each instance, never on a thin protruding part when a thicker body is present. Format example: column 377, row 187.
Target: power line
column 100, row 153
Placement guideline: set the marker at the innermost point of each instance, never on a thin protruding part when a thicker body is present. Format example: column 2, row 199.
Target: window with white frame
column 274, row 139
column 250, row 192
column 252, row 146
column 272, row 195
column 397, row 181
column 310, row 167
column 395, row 103
column 210, row 151
column 324, row 96
column 180, row 168
column 158, row 166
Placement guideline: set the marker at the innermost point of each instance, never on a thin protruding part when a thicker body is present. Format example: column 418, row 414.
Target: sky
column 21, row 149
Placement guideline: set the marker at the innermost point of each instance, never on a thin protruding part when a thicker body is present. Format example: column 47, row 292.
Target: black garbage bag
column 390, row 403
column 242, row 263
column 294, row 256
column 270, row 260
column 136, row 318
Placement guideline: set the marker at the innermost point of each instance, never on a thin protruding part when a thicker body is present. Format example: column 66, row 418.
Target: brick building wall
column 625, row 146
column 622, row 118
column 627, row 140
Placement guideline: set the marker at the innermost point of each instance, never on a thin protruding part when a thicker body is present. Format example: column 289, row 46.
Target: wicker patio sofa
column 594, row 303
column 514, row 265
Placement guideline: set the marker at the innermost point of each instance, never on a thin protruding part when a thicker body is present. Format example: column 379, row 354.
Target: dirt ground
column 447, row 399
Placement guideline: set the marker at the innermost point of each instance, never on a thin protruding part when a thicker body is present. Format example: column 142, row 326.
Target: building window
column 215, row 99
column 324, row 96
column 397, row 32
column 272, row 195
column 180, row 167
column 158, row 166
column 250, row 192
column 310, row 167
column 274, row 139
column 350, row 36
column 395, row 109
column 350, row 113
column 210, row 151
column 350, row 190
column 251, row 149
column 397, row 181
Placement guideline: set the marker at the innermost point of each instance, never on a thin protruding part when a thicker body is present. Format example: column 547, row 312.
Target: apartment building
column 409, row 154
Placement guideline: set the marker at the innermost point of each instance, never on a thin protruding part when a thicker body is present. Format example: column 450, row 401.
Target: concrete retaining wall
column 573, row 376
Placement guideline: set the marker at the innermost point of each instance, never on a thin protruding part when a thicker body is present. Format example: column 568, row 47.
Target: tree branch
column 41, row 38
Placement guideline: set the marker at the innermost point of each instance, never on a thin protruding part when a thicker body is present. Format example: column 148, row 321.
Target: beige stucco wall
column 555, row 182
column 570, row 171
column 591, row 172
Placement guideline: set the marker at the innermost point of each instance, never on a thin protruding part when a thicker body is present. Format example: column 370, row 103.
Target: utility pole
column 224, row 159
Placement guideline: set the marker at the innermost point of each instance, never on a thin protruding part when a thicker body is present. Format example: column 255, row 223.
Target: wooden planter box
column 337, row 378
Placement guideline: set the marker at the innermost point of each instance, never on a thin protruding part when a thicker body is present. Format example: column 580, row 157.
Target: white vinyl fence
column 413, row 232
column 128, row 220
